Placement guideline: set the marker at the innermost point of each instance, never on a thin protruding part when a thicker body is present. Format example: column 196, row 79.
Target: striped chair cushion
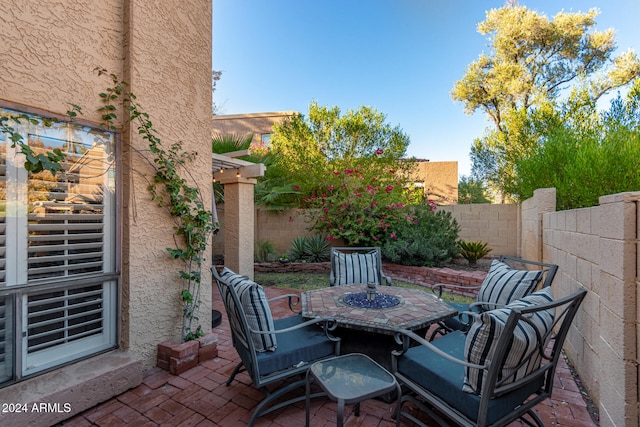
column 504, row 284
column 256, row 308
column 485, row 333
column 356, row 268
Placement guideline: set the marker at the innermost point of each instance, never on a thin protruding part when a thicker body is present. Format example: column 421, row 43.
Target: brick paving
column 199, row 397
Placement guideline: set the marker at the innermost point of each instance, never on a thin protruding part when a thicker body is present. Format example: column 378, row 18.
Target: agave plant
column 317, row 248
column 473, row 251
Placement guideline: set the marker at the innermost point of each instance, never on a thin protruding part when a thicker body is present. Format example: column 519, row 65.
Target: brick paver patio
column 199, row 397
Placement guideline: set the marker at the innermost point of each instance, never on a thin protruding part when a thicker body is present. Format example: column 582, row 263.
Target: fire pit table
column 365, row 328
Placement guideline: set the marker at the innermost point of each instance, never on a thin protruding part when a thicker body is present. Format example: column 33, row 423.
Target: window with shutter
column 57, row 246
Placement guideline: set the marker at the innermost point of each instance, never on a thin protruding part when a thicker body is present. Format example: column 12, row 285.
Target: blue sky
column 401, row 57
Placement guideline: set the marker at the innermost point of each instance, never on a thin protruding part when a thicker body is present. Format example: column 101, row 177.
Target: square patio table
column 350, row 379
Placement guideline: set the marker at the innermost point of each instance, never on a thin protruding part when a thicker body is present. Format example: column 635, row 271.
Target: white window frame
column 16, row 281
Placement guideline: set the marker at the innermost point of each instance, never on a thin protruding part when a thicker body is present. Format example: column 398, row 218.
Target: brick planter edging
column 427, row 276
column 180, row 357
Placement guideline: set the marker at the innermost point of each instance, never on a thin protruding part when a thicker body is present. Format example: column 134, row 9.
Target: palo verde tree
column 531, row 61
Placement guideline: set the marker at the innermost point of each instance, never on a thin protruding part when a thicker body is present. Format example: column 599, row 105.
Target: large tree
column 326, row 140
column 348, row 168
column 531, row 61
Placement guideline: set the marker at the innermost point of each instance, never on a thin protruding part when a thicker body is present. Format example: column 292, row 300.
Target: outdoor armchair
column 496, row 373
column 508, row 279
column 275, row 353
column 357, row 265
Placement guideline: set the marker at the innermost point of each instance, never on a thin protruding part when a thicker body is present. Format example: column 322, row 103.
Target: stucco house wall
column 163, row 50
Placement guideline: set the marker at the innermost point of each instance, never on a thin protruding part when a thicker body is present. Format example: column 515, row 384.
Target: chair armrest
column 294, row 300
column 438, row 288
column 328, row 322
column 404, row 337
column 386, row 279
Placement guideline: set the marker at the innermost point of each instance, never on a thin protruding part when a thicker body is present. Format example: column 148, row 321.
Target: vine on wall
column 193, row 222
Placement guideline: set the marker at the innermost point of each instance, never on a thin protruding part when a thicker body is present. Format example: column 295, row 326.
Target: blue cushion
column 504, row 284
column 356, row 268
column 255, row 307
column 444, row 378
column 485, row 332
column 300, row 345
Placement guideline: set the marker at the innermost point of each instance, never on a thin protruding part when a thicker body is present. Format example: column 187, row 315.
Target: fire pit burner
column 361, row 300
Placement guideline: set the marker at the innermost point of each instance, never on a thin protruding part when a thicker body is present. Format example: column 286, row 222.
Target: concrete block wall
column 280, row 228
column 597, row 248
column 497, row 225
column 531, row 211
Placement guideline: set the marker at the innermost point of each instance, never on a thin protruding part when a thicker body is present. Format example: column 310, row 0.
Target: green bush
column 473, row 251
column 264, row 251
column 313, row 248
column 585, row 162
column 317, row 249
column 423, row 238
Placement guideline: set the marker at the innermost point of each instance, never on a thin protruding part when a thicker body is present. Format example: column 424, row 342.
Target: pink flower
column 296, row 187
column 392, row 171
column 389, row 188
column 290, row 219
column 330, row 188
column 379, row 151
column 393, row 235
column 336, row 173
column 326, row 210
column 376, row 238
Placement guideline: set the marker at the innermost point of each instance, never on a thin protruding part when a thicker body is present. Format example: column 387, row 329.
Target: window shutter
column 66, row 217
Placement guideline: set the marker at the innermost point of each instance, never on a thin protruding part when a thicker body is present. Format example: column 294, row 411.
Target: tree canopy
column 532, row 61
column 309, row 148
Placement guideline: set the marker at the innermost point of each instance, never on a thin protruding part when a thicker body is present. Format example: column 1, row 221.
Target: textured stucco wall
column 163, row 49
column 169, row 68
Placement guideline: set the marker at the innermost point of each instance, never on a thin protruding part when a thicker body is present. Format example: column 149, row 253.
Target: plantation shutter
column 66, row 217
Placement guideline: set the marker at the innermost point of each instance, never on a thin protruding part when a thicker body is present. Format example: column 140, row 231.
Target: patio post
column 239, row 215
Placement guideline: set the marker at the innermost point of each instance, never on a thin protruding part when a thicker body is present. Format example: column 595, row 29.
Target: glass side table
column 350, row 379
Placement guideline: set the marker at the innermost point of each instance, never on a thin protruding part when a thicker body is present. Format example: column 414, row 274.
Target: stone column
column 238, row 222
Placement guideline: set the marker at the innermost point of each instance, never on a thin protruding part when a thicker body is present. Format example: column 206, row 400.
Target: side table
column 350, row 379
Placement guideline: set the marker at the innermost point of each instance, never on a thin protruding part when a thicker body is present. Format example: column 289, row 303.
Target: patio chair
column 275, row 353
column 508, row 279
column 357, row 265
column 496, row 373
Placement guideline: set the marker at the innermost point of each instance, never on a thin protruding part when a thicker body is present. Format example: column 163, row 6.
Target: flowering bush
column 363, row 210
column 424, row 237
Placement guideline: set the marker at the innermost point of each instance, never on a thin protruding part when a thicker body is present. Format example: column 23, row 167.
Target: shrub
column 359, row 208
column 296, row 250
column 473, row 251
column 317, row 248
column 264, row 251
column 423, row 238
column 313, row 248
